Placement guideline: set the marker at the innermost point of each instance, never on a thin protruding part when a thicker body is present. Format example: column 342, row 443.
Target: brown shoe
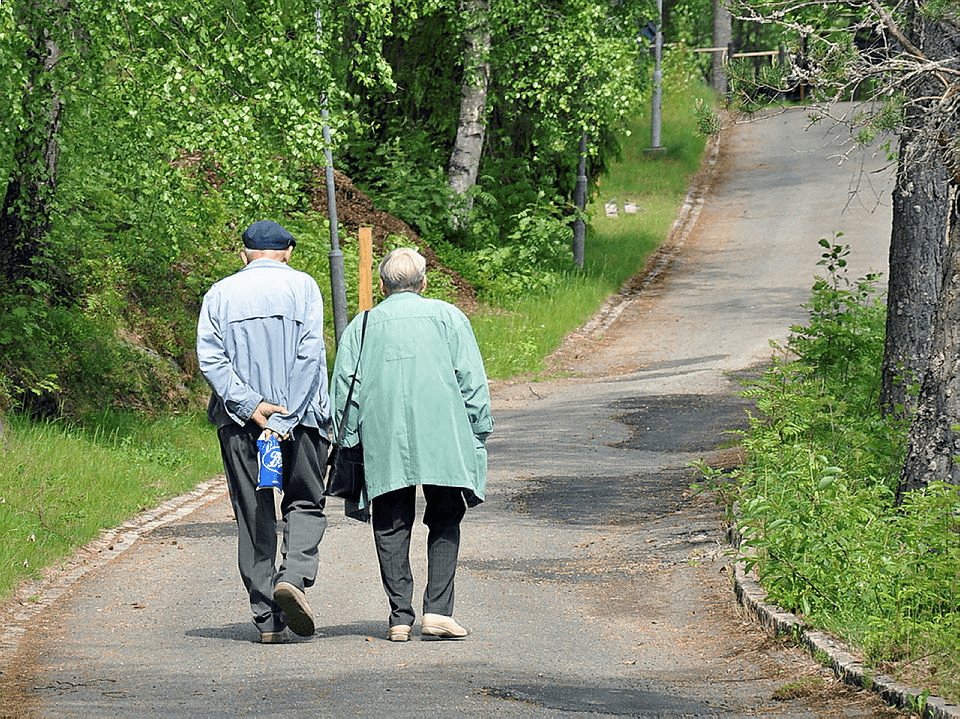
column 294, row 605
column 437, row 625
column 399, row 633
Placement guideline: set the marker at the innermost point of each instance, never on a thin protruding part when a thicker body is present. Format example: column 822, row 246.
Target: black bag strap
column 353, row 379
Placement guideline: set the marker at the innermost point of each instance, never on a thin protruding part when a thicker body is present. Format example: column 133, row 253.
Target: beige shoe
column 399, row 633
column 273, row 637
column 437, row 625
column 294, row 605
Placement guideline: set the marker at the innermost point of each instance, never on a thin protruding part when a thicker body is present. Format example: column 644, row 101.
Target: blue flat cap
column 267, row 235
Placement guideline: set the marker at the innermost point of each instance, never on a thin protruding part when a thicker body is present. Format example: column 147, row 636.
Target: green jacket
column 421, row 404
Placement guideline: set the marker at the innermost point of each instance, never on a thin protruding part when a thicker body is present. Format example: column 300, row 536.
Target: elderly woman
column 421, row 408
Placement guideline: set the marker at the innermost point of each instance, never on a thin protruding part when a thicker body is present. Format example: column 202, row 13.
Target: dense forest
column 138, row 139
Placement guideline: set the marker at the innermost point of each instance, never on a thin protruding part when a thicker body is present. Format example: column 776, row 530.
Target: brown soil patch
column 356, row 210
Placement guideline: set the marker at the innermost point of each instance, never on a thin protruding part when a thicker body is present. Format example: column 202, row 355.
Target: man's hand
column 263, row 411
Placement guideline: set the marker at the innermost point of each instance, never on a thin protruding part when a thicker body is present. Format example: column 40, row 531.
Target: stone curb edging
column 845, row 666
column 33, row 597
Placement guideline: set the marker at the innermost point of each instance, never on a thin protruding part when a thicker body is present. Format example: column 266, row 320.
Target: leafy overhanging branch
column 864, row 51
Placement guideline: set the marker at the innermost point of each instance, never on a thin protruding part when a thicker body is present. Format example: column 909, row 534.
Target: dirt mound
column 356, row 210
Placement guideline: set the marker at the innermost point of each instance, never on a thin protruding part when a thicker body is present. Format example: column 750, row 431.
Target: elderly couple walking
column 420, row 405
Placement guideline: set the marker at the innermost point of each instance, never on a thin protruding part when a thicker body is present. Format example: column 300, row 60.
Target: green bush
column 536, row 251
column 405, row 174
column 816, row 496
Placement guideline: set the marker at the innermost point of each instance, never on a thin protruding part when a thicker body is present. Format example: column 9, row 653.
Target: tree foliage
column 556, row 70
column 181, row 122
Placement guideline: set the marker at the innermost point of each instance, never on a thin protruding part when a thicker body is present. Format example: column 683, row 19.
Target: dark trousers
column 393, row 515
column 301, row 506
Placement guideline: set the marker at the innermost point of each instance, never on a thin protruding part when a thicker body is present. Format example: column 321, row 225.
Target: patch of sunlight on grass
column 516, row 339
column 61, row 486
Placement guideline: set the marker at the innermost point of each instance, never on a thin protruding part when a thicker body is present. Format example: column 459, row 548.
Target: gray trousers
column 301, row 506
column 393, row 515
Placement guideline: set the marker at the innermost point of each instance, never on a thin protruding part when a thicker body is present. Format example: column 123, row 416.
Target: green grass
column 61, row 486
column 515, row 340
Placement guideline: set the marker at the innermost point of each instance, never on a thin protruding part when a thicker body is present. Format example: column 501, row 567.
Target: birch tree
column 32, row 178
column 471, row 126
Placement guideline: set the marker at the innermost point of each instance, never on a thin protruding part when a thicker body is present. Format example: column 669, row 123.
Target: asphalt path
column 594, row 582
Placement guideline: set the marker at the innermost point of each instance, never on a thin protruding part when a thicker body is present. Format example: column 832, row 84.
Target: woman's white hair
column 402, row 270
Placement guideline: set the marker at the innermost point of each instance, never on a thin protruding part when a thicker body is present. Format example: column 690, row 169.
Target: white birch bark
column 722, row 36
column 471, row 127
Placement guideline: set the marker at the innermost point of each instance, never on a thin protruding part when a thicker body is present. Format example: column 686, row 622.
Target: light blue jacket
column 260, row 337
column 421, row 404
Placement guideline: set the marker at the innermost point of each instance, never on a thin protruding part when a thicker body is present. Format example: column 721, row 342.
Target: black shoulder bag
column 346, row 477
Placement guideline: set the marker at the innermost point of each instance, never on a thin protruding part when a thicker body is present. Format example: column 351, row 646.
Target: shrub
column 816, row 495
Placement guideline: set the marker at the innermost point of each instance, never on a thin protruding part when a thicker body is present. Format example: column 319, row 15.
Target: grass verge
column 62, row 485
column 515, row 340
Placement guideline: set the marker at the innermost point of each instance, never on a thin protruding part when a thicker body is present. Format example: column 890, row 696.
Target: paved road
column 594, row 582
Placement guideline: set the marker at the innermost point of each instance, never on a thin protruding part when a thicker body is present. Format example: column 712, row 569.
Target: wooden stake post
column 366, row 269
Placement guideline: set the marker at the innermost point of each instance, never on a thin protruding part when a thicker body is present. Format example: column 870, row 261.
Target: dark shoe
column 294, row 605
column 437, row 625
column 399, row 633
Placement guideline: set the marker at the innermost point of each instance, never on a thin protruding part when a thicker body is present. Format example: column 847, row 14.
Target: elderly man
column 421, row 408
column 260, row 347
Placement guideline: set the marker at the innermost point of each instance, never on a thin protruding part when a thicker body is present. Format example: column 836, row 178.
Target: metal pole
column 580, row 200
column 655, row 120
column 338, row 287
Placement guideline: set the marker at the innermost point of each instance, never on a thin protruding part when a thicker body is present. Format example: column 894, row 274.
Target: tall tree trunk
column 921, row 205
column 722, row 37
column 934, row 442
column 25, row 215
column 934, row 439
column 471, row 127
column 917, row 246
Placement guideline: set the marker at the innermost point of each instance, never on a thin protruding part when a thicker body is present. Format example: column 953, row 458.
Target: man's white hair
column 252, row 254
